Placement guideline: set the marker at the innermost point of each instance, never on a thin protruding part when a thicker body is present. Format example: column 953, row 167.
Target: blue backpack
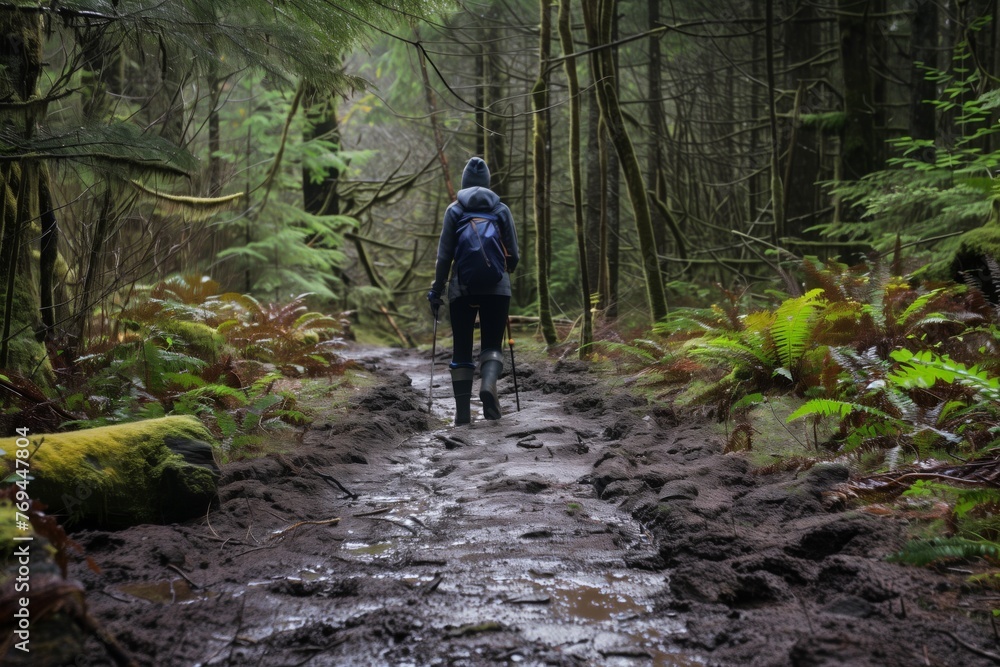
column 480, row 255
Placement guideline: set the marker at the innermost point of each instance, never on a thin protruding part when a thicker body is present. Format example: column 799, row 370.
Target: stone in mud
column 530, row 484
column 612, row 469
column 678, row 490
column 655, row 476
column 828, row 538
column 824, row 477
column 699, row 581
column 725, row 470
column 627, row 488
column 852, row 607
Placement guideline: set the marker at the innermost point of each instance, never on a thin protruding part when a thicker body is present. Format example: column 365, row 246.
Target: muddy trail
column 587, row 529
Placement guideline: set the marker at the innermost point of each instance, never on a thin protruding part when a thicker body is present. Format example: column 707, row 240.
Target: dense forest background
column 649, row 151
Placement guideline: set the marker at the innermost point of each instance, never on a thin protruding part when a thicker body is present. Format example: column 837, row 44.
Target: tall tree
column 598, row 18
column 543, row 205
column 859, row 151
column 923, row 52
column 576, row 174
column 109, row 160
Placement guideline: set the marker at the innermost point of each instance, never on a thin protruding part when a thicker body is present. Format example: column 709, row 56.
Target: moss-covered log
column 154, row 471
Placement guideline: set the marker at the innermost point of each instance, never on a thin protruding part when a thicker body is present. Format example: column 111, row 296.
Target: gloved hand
column 435, row 300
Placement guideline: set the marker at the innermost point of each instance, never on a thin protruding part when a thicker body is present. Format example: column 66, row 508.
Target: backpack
column 480, row 256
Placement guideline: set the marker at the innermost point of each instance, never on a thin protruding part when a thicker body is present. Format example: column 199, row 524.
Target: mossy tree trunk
column 598, row 19
column 575, row 172
column 319, row 191
column 20, row 67
column 543, row 210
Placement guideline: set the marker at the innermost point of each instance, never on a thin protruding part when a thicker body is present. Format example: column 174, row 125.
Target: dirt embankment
column 586, row 529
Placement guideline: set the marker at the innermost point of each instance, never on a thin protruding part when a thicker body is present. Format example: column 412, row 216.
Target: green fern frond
column 827, row 407
column 927, row 552
column 924, row 368
column 917, row 306
column 691, row 321
column 724, row 351
column 793, row 326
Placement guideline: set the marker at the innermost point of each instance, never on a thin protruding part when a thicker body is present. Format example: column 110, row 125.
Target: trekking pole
column 434, row 345
column 513, row 368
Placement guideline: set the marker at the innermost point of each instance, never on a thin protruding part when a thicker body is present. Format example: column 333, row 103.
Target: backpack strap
column 472, row 216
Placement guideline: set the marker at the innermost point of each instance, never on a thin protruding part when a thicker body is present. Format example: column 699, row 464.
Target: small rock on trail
column 587, row 529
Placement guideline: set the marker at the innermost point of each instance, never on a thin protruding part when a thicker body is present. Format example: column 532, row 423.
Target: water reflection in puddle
column 165, row 592
column 363, row 549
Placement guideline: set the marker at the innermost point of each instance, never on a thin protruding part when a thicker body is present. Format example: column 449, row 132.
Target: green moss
column 830, row 122
column 204, row 341
column 983, row 241
column 116, row 475
column 26, row 355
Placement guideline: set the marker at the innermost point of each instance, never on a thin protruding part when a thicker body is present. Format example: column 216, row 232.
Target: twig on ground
column 179, row 571
column 382, row 510
column 969, row 647
column 209, row 521
column 395, row 522
column 280, row 535
column 450, row 442
column 250, row 523
column 330, row 479
column 432, row 584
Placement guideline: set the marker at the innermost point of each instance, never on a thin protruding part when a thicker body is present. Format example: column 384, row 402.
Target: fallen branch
column 969, row 647
column 280, row 535
column 450, row 442
column 330, row 479
column 179, row 571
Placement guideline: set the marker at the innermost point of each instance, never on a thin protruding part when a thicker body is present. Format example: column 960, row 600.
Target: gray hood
column 477, row 199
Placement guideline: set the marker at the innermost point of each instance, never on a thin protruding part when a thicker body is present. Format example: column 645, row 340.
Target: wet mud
column 588, row 528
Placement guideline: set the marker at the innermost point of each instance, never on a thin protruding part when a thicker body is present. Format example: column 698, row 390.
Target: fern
column 793, row 326
column 923, row 369
column 939, row 549
column 827, row 407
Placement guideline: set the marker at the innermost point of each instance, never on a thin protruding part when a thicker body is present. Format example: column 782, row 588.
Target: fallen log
column 154, row 471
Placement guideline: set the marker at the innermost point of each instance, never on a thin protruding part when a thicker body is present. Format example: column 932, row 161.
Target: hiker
column 476, row 216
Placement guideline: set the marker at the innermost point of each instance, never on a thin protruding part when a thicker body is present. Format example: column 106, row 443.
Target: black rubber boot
column 461, row 384
column 490, row 366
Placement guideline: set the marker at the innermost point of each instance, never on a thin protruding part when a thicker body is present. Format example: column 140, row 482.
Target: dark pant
column 492, row 310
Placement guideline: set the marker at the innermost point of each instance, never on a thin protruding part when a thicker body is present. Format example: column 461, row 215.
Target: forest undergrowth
column 900, row 381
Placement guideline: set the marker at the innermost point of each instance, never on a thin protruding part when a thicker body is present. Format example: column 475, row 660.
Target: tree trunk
column 801, row 195
column 923, row 51
column 543, row 231
column 657, row 124
column 494, row 126
column 20, row 67
column 595, row 193
column 319, row 196
column 598, row 22
column 576, row 176
column 858, row 149
column 777, row 191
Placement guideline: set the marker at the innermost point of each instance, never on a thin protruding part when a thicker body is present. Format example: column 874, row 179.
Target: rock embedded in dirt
column 678, row 490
